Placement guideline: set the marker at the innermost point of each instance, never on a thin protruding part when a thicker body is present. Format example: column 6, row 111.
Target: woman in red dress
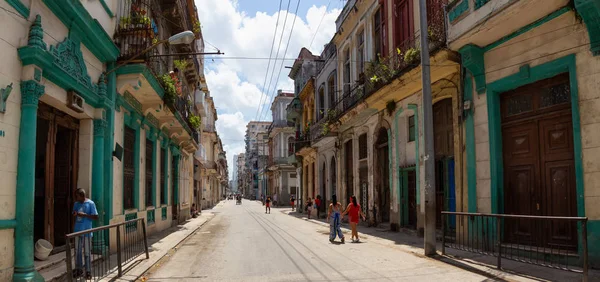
column 268, row 205
column 353, row 210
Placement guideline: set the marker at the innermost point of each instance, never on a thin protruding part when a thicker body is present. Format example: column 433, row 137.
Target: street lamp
column 184, row 37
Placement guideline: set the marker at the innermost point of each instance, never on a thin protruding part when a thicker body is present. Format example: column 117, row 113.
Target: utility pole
column 429, row 158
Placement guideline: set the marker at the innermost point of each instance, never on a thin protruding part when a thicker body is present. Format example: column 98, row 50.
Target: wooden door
column 128, row 168
column 174, row 202
column 383, row 183
column 62, row 184
column 412, row 198
column 443, row 133
column 539, row 170
column 149, row 172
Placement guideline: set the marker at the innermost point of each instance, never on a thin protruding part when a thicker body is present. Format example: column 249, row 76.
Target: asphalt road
column 242, row 243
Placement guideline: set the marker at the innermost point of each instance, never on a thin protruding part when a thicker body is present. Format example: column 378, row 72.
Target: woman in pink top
column 353, row 210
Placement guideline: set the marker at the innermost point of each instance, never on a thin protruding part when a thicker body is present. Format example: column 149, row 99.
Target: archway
column 332, row 179
column 382, row 184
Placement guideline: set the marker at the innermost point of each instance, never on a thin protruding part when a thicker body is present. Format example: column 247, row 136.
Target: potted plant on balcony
column 195, row 121
column 412, row 56
column 170, row 89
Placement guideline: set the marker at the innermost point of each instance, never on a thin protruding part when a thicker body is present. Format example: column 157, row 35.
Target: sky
column 241, row 88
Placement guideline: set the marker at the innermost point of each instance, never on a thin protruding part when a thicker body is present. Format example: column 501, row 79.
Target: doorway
column 538, row 156
column 56, row 175
column 174, row 204
column 408, row 182
column 443, row 132
column 382, row 179
column 349, row 167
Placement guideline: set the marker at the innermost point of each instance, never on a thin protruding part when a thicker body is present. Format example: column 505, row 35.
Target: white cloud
column 236, row 85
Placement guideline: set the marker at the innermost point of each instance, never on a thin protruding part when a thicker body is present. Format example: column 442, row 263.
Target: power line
column 287, row 12
column 321, row 21
column 270, row 53
column 286, row 49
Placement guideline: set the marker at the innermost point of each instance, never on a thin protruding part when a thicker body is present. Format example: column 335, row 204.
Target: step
column 58, row 258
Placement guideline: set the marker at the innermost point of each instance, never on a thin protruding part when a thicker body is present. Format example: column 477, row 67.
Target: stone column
column 24, row 269
column 98, row 181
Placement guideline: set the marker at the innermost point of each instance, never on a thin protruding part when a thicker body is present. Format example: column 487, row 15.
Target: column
column 24, row 269
column 98, row 182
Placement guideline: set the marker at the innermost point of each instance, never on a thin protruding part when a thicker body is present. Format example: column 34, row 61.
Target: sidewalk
column 160, row 245
column 408, row 241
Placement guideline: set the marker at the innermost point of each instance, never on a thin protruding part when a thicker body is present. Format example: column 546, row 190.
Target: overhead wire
column 260, row 104
column 270, row 54
column 285, row 52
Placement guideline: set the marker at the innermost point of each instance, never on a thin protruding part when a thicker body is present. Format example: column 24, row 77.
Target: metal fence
column 549, row 241
column 90, row 252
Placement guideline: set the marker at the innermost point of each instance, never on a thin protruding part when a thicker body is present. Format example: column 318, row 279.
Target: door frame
column 528, row 75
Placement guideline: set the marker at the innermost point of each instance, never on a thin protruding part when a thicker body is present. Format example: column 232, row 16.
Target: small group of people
column 316, row 204
column 335, row 216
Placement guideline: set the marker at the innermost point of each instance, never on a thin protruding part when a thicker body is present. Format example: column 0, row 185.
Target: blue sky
column 244, row 28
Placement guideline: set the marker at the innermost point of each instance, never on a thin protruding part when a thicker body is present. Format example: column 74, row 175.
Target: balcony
column 201, row 154
column 294, row 110
column 482, row 22
column 303, row 140
column 199, row 98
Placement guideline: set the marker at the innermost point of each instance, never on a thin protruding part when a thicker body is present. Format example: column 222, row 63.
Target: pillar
column 24, row 269
column 98, row 180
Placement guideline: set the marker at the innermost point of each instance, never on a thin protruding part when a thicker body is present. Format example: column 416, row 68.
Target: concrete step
column 56, row 273
column 58, row 258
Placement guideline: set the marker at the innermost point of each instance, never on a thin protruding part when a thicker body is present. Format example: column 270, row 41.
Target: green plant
column 390, row 106
column 170, row 90
column 197, row 26
column 180, row 64
column 412, row 55
column 124, row 21
column 154, row 40
column 325, row 128
column 195, row 121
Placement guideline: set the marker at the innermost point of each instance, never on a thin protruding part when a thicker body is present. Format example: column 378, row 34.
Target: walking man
column 84, row 211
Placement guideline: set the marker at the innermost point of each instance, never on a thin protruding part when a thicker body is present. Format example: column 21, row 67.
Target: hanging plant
column 170, row 90
column 195, row 121
column 390, row 107
column 324, row 128
column 197, row 27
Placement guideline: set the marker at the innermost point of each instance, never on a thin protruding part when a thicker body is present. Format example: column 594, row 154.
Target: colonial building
column 282, row 137
column 256, row 157
column 530, row 76
column 91, row 98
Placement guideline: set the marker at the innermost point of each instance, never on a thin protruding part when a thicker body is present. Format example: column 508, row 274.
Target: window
column 163, row 179
column 362, row 147
column 411, row 128
column 403, row 23
column 331, row 89
column 346, row 71
column 292, row 175
column 360, row 52
column 379, row 37
column 128, row 168
column 149, row 172
column 293, row 190
column 291, row 146
column 321, row 112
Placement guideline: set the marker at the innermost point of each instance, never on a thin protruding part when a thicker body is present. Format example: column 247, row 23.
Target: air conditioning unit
column 74, row 101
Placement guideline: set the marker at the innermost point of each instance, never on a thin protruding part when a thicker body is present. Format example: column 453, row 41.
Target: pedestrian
column 318, row 205
column 353, row 210
column 84, row 211
column 335, row 219
column 308, row 207
column 293, row 202
column 194, row 211
column 268, row 205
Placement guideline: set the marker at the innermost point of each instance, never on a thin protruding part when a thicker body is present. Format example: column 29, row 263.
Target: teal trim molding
column 565, row 64
column 107, row 9
column 8, row 224
column 145, row 71
column 470, row 147
column 458, row 10
column 133, row 120
column 590, row 12
column 24, row 269
column 480, row 3
column 75, row 17
column 20, row 7
column 109, row 144
column 98, row 167
column 4, row 94
column 63, row 64
column 472, row 60
column 527, row 28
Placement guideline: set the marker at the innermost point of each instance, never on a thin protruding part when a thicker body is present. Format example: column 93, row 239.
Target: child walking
column 268, row 205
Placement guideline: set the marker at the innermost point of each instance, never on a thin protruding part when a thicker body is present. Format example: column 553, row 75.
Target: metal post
column 499, row 242
column 584, row 245
column 430, row 208
column 145, row 238
column 119, row 267
column 443, row 234
column 69, row 261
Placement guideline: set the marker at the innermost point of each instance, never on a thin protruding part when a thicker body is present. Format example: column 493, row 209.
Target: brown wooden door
column 63, row 186
column 443, row 133
column 539, row 171
column 412, row 199
column 403, row 23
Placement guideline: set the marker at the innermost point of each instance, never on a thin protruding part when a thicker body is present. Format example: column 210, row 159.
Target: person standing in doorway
column 268, row 205
column 318, row 205
column 353, row 210
column 335, row 219
column 84, row 211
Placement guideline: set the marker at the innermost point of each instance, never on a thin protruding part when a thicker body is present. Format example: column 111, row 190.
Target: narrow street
column 242, row 243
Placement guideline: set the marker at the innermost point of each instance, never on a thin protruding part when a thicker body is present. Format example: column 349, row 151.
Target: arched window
column 321, row 102
column 331, row 91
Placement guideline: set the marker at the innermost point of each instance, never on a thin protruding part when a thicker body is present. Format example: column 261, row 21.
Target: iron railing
column 549, row 241
column 302, row 140
column 91, row 251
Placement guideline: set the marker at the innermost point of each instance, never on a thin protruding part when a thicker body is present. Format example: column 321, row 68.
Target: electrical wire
column 285, row 53
column 270, row 54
